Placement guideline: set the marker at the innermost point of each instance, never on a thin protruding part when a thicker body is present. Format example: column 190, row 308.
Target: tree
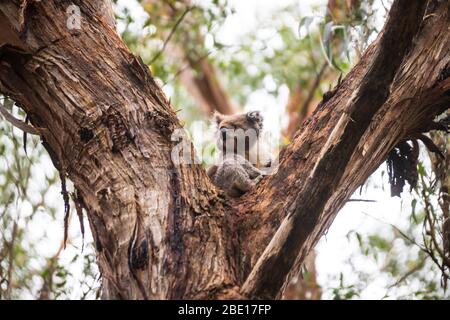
column 161, row 229
column 179, row 24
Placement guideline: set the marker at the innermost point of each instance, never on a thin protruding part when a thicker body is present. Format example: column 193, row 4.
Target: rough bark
column 108, row 129
column 391, row 93
column 161, row 230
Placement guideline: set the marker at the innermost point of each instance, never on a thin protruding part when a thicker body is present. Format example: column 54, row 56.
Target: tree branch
column 16, row 122
column 157, row 224
column 111, row 129
column 171, row 33
column 323, row 181
column 300, row 114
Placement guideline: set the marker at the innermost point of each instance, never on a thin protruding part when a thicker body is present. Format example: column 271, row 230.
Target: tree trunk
column 161, row 229
column 108, row 127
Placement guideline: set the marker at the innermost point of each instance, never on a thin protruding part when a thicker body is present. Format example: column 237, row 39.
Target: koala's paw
column 257, row 180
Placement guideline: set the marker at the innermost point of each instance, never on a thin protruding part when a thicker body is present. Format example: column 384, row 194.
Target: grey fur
column 235, row 174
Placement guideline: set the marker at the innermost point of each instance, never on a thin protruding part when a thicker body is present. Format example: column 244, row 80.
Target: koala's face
column 240, row 130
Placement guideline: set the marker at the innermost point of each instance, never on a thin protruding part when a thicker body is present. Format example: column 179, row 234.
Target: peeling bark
column 161, row 229
column 108, row 129
column 345, row 140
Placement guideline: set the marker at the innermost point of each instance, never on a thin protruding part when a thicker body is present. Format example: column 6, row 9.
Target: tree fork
column 161, row 229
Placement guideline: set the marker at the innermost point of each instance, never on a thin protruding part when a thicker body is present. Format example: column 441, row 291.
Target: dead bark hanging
column 161, row 230
column 345, row 141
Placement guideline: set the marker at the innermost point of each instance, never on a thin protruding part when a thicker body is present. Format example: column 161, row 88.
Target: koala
column 241, row 158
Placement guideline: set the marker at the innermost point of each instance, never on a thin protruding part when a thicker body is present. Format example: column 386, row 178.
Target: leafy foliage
column 31, row 265
column 285, row 52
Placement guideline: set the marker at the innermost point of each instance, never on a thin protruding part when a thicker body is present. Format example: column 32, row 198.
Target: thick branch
column 319, row 175
column 108, row 128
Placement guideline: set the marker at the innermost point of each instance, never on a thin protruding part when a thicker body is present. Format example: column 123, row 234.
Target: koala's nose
column 223, row 133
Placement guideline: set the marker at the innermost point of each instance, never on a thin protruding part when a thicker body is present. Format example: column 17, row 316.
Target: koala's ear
column 255, row 116
column 218, row 118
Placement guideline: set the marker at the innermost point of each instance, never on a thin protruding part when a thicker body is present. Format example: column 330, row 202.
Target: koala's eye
column 254, row 116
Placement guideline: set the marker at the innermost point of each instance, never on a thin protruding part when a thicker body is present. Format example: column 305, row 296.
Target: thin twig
column 172, row 32
column 361, row 200
column 412, row 241
column 409, row 273
column 16, row 122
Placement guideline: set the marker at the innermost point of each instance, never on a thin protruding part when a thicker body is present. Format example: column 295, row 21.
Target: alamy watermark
column 73, row 17
column 205, row 145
